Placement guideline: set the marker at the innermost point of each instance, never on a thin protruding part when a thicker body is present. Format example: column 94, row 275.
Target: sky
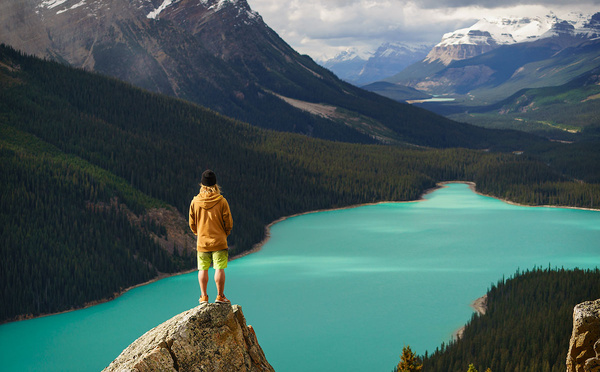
column 323, row 28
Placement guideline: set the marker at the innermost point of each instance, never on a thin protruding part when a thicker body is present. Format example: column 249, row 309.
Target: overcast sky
column 323, row 28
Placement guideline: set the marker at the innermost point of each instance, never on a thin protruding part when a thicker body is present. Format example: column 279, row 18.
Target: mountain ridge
column 495, row 75
column 219, row 54
column 363, row 68
column 490, row 33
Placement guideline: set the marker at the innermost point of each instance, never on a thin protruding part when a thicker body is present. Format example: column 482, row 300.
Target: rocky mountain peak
column 490, row 33
column 154, row 44
column 211, row 337
column 189, row 9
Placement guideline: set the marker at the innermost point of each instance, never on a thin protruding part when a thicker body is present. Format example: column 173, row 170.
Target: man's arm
column 227, row 219
column 192, row 219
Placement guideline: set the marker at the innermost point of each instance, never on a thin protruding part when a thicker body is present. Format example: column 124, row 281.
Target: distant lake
column 439, row 99
column 434, row 99
column 340, row 290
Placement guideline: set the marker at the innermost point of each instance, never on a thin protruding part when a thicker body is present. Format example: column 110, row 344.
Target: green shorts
column 218, row 258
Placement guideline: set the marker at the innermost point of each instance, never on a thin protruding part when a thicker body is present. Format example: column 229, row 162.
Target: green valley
column 556, row 111
column 88, row 160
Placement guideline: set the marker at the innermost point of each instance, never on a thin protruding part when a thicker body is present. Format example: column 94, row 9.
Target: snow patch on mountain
column 46, row 7
column 153, row 14
column 577, row 24
column 72, row 7
column 501, row 30
column 52, row 3
column 390, row 49
column 510, row 30
column 348, row 55
column 212, row 5
column 217, row 5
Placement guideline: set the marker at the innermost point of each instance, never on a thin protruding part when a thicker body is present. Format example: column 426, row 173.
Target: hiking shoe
column 221, row 299
column 203, row 300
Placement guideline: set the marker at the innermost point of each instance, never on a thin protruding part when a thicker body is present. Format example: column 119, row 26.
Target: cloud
column 323, row 28
column 494, row 4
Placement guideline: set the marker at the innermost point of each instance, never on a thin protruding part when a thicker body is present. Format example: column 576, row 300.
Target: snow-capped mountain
column 347, row 64
column 219, row 54
column 361, row 68
column 490, row 33
column 497, row 57
column 87, row 33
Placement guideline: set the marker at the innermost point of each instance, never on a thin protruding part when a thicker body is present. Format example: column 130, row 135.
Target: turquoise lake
column 340, row 290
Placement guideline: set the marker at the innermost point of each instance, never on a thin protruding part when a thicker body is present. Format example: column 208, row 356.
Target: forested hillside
column 526, row 327
column 63, row 244
column 84, row 157
column 221, row 55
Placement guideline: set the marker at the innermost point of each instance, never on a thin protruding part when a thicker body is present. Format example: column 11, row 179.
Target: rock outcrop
column 211, row 337
column 584, row 347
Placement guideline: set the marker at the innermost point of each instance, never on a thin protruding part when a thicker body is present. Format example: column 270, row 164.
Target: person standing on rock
column 211, row 221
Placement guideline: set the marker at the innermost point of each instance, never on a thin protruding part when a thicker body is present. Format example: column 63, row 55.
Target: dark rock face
column 212, row 337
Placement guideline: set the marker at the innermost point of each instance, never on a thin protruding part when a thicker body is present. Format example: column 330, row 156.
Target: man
column 210, row 220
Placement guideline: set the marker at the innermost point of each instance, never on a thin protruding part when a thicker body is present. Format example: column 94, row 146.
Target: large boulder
column 586, row 332
column 210, row 337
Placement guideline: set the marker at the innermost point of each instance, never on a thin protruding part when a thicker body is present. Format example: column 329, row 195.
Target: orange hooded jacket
column 210, row 220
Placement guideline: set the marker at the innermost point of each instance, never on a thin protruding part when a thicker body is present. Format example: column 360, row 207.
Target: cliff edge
column 584, row 347
column 211, row 337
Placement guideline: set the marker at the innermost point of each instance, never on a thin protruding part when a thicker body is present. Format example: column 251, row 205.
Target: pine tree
column 408, row 361
column 471, row 368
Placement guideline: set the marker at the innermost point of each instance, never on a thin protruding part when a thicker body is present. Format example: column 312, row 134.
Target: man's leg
column 203, row 265
column 220, row 264
column 203, row 281
column 220, row 281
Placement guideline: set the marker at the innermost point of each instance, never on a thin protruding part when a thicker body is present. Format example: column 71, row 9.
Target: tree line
column 527, row 325
column 60, row 247
column 72, row 139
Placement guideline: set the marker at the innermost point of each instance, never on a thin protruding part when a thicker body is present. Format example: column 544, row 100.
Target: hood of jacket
column 207, row 201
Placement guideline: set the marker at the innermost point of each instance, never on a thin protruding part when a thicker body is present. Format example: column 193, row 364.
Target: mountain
column 387, row 60
column 492, row 60
column 220, row 54
column 508, row 69
column 347, row 65
column 488, row 34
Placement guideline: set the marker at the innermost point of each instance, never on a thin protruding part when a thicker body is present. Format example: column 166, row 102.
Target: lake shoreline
column 472, row 186
column 480, row 307
column 440, row 185
column 258, row 246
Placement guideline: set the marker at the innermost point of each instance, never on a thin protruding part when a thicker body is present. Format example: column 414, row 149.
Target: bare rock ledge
column 584, row 347
column 211, row 337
